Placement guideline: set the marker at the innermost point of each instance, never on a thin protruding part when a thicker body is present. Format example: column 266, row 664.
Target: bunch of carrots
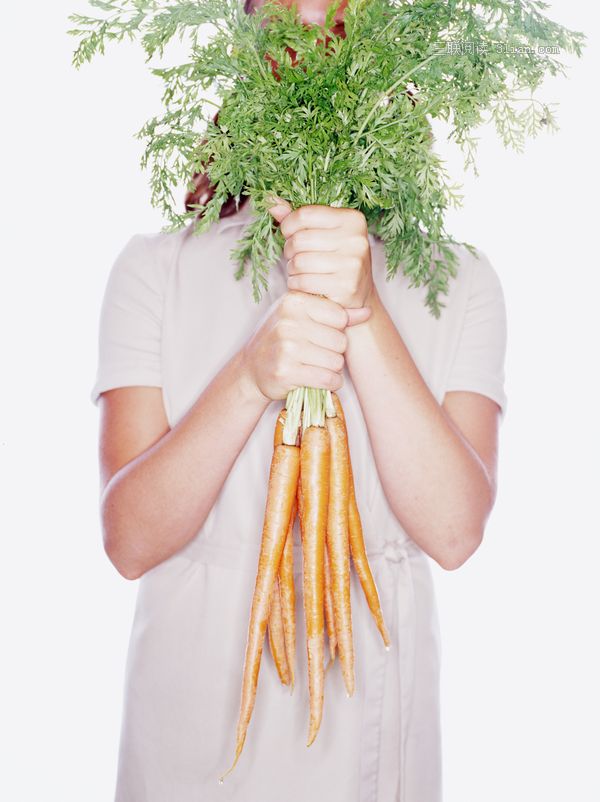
column 311, row 479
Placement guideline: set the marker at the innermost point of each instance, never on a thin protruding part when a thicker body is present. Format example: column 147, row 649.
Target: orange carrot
column 357, row 546
column 276, row 635
column 329, row 619
column 287, row 591
column 338, row 548
column 288, row 598
column 314, row 478
column 300, row 504
column 283, row 481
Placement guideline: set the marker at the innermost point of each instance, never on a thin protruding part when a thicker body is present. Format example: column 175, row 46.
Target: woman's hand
column 328, row 252
column 301, row 344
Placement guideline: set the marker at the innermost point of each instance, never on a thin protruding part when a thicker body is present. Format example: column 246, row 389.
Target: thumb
column 356, row 316
column 280, row 209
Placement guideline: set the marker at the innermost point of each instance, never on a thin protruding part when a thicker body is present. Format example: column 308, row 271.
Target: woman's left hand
column 328, row 252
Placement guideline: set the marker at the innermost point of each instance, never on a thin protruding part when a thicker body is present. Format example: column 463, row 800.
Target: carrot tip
column 387, row 648
column 238, row 752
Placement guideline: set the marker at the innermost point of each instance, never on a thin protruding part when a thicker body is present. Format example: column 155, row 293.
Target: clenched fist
column 328, row 252
column 300, row 344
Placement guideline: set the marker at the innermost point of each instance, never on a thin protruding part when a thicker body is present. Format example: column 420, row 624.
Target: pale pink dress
column 171, row 317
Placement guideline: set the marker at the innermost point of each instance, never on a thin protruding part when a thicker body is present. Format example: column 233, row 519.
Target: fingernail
column 278, row 209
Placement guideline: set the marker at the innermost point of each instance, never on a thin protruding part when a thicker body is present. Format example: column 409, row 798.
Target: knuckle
column 282, row 352
column 342, row 341
column 298, row 261
column 279, row 328
column 302, row 214
column 340, row 316
column 352, row 284
column 356, row 263
column 338, row 362
column 289, row 304
column 360, row 218
column 365, row 245
column 284, row 306
column 287, row 347
column 296, row 282
column 293, row 268
column 279, row 370
column 334, row 381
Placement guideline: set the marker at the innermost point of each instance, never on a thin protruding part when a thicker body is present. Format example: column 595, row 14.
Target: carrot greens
column 334, row 120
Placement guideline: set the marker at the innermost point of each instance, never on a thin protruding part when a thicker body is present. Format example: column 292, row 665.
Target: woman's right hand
column 300, row 344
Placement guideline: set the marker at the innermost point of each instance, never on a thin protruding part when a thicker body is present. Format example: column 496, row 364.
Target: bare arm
column 160, row 483
column 154, row 504
column 437, row 484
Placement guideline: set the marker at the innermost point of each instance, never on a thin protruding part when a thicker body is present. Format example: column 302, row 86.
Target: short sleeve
column 129, row 335
column 479, row 361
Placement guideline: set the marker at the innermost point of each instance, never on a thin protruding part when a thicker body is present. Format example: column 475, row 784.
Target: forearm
column 157, row 502
column 436, row 484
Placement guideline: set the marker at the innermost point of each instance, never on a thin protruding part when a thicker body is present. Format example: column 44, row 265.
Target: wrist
column 250, row 392
column 372, row 296
column 371, row 301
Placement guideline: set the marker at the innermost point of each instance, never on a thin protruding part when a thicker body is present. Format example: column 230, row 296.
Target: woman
column 190, row 380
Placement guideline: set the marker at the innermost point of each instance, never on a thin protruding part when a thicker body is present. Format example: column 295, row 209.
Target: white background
column 520, row 694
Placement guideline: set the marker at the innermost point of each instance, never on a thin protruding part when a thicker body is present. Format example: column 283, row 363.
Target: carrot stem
column 306, row 406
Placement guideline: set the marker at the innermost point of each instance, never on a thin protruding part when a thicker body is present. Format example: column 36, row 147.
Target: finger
column 320, row 378
column 361, row 315
column 326, row 337
column 281, row 209
column 310, row 216
column 327, row 284
column 325, row 311
column 315, row 356
column 316, row 262
column 311, row 239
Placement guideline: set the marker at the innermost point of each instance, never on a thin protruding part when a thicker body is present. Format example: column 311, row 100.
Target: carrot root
column 329, row 618
column 315, row 651
column 277, row 636
column 363, row 570
column 314, row 479
column 283, row 481
column 338, row 548
column 357, row 547
column 288, row 598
